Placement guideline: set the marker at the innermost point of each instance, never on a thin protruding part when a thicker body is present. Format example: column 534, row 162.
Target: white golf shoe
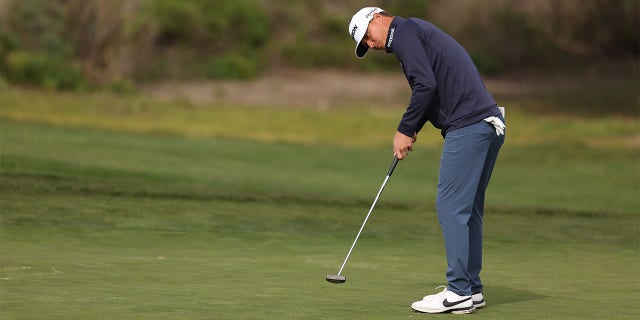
column 445, row 301
column 478, row 300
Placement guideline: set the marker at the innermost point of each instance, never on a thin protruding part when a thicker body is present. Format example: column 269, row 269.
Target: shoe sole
column 466, row 310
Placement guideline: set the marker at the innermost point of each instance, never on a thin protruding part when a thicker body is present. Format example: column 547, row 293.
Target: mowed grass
column 111, row 223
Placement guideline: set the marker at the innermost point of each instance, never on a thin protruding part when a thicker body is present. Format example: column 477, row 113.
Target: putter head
column 336, row 278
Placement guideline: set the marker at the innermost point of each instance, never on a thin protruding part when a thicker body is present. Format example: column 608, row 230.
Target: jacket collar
column 388, row 46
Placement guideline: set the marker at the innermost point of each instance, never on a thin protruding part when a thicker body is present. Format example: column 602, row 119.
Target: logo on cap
column 373, row 10
column 353, row 32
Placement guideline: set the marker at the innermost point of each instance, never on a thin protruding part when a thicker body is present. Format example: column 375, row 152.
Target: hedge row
column 74, row 44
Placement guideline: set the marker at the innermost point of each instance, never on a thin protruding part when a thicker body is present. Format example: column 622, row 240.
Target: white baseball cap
column 358, row 28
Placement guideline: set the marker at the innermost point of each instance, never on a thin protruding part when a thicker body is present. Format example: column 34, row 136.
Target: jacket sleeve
column 417, row 69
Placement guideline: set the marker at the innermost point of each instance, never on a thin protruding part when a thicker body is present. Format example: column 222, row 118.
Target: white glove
column 497, row 123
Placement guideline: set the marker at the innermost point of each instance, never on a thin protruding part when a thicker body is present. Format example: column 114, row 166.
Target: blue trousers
column 468, row 157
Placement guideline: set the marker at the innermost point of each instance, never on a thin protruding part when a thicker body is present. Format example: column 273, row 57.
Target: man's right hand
column 402, row 145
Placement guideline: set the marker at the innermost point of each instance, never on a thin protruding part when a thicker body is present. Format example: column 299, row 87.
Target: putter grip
column 393, row 166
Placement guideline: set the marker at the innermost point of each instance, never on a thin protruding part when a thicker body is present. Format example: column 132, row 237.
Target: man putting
column 447, row 91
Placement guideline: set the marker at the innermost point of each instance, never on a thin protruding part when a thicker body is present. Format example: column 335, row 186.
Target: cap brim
column 361, row 50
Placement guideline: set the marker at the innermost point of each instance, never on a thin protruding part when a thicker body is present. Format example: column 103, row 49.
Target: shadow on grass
column 503, row 295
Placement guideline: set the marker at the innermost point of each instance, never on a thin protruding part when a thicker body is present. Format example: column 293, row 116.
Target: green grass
column 164, row 212
column 346, row 125
column 108, row 225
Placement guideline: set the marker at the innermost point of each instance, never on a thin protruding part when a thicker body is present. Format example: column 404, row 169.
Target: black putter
column 340, row 278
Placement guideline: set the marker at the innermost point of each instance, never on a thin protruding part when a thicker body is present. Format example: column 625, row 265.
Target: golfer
column 448, row 92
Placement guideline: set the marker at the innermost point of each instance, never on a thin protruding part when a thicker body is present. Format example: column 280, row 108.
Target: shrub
column 180, row 21
column 43, row 70
column 508, row 40
column 233, row 66
column 228, row 36
column 44, row 42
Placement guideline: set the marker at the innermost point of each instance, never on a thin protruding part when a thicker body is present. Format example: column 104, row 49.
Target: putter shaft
column 389, row 173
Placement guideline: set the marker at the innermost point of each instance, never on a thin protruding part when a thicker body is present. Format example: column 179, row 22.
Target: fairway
column 107, row 225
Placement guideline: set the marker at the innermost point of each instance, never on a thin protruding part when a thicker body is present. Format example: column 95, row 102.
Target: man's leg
column 475, row 222
column 461, row 167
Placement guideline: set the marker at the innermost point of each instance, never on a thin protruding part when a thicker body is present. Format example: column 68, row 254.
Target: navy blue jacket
column 446, row 86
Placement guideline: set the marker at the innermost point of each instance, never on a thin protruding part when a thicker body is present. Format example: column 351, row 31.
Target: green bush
column 122, row 86
column 43, row 70
column 233, row 66
column 211, row 25
column 35, row 51
column 43, row 42
column 510, row 41
column 305, row 55
column 228, row 36
column 486, row 63
column 180, row 21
